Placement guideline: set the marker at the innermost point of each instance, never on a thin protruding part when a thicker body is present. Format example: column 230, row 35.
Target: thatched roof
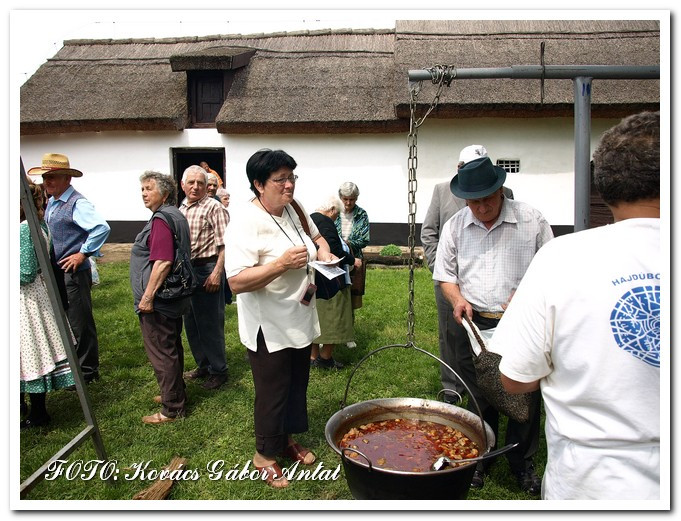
column 333, row 80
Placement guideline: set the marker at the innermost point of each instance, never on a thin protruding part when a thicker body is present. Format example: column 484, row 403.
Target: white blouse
column 255, row 238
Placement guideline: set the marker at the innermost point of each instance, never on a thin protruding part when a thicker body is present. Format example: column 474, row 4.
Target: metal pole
column 582, row 91
column 549, row 72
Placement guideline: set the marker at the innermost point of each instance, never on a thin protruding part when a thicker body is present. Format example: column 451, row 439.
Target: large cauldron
column 367, row 481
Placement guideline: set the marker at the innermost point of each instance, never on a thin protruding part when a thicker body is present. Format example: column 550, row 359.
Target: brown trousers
column 163, row 344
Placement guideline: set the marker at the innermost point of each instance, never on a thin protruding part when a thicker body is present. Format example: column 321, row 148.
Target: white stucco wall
column 112, row 162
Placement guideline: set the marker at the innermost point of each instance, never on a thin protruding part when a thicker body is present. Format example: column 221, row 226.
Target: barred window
column 512, row 166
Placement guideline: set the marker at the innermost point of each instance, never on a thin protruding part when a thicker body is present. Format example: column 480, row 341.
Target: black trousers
column 163, row 344
column 82, row 322
column 526, row 434
column 280, row 380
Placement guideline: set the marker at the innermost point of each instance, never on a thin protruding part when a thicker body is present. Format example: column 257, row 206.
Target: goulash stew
column 407, row 445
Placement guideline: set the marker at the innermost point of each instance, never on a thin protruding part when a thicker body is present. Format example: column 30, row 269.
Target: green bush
column 390, row 250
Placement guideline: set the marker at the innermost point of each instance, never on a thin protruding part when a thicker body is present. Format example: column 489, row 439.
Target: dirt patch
column 118, row 252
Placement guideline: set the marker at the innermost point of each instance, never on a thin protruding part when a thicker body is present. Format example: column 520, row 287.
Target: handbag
column 182, row 280
column 515, row 406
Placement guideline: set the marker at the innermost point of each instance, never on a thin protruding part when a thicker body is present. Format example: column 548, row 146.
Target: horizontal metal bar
column 549, row 72
column 67, row 449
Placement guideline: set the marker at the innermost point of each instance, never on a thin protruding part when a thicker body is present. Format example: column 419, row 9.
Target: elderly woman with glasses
column 151, row 259
column 270, row 243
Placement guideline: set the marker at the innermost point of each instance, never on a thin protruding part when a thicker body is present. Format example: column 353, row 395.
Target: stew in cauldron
column 408, row 445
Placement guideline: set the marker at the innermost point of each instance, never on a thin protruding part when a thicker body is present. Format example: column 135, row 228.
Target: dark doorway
column 184, row 157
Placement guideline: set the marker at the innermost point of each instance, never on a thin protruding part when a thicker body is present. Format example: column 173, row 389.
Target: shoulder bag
column 181, row 281
column 515, row 406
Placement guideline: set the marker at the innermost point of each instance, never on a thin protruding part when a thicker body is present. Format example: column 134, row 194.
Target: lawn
column 219, row 425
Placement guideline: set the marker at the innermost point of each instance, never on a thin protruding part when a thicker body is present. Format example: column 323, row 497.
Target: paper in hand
column 329, row 271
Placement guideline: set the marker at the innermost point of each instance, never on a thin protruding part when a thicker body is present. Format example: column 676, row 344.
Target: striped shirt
column 489, row 264
column 207, row 220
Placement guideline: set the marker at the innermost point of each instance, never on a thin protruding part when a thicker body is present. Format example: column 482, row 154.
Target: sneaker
column 196, row 373
column 350, row 345
column 214, row 381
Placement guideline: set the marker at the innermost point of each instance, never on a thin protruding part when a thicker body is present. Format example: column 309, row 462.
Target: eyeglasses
column 292, row 178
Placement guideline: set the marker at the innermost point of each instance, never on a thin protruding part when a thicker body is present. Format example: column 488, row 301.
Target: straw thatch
column 334, row 80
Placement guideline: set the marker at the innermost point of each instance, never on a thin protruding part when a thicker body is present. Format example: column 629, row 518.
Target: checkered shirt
column 207, row 220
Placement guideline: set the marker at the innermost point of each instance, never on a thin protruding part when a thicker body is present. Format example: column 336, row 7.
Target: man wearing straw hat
column 483, row 253
column 78, row 232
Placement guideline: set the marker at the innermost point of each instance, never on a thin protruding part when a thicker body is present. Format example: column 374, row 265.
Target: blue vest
column 67, row 236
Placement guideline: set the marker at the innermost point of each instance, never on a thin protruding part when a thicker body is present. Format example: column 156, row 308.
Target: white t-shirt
column 585, row 321
column 254, row 239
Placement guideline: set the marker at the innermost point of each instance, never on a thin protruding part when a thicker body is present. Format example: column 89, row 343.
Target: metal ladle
column 443, row 461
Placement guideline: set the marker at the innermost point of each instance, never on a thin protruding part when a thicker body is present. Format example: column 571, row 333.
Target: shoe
column 328, row 364
column 478, row 480
column 88, row 380
column 214, row 381
column 451, row 399
column 350, row 345
column 297, row 452
column 196, row 373
column 30, row 423
column 272, row 475
column 529, row 482
column 159, row 418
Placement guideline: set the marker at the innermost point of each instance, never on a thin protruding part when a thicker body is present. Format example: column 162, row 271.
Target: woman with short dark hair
column 270, row 244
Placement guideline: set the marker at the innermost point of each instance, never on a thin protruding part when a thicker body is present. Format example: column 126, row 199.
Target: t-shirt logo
column 635, row 323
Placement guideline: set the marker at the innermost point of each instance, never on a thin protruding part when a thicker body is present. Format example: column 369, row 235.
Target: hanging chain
column 441, row 75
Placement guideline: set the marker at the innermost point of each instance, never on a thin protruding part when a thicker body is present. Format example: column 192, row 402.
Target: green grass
column 219, row 425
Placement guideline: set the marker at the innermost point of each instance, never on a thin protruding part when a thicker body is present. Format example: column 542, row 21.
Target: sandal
column 272, row 474
column 297, row 452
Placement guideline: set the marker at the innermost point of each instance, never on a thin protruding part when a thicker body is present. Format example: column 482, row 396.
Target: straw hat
column 55, row 164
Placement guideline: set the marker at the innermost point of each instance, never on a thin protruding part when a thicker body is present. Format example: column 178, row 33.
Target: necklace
column 307, row 268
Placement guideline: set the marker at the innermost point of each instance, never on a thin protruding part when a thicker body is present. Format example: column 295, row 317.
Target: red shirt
column 161, row 243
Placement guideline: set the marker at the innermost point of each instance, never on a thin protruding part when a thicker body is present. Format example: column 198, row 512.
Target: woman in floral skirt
column 43, row 362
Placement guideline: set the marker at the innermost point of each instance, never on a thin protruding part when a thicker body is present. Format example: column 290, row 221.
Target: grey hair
column 195, row 169
column 165, row 184
column 331, row 203
column 348, row 189
column 221, row 192
column 210, row 176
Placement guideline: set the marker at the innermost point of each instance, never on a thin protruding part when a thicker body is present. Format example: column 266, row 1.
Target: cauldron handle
column 357, row 452
column 411, row 345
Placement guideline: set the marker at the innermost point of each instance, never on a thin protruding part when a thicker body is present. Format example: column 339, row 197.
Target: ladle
column 444, row 462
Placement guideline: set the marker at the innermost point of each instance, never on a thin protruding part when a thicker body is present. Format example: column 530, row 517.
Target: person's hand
column 504, row 306
column 326, row 257
column 294, row 258
column 212, row 283
column 72, row 262
column 146, row 304
column 358, row 263
column 460, row 307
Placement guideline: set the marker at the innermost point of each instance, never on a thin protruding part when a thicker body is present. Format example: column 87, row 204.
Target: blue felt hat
column 477, row 179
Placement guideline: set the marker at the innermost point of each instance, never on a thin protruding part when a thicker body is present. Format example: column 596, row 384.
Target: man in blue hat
column 483, row 253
